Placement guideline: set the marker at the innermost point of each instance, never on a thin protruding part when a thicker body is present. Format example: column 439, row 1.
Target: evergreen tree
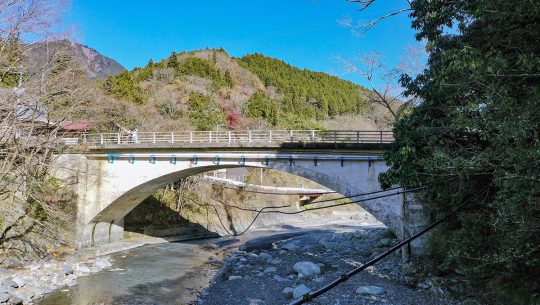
column 228, row 80
column 173, row 60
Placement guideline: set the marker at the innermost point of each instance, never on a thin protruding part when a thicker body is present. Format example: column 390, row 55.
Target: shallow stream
column 154, row 274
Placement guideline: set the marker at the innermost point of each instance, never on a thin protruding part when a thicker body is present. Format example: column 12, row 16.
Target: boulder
column 300, row 291
column 35, row 291
column 287, row 290
column 102, row 263
column 4, row 297
column 67, row 270
column 275, row 261
column 370, row 290
column 24, row 294
column 385, row 242
column 265, row 256
column 9, row 283
column 234, row 277
column 270, row 270
column 306, row 269
column 15, row 301
column 6, row 289
column 289, row 246
column 19, row 280
column 71, row 282
column 212, row 260
column 83, row 268
column 280, row 279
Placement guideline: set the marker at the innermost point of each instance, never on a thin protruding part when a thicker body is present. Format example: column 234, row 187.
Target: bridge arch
column 109, row 186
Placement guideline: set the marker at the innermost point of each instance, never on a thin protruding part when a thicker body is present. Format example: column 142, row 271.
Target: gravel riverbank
column 276, row 270
column 27, row 282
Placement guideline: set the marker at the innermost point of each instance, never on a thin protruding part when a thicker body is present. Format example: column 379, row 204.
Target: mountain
column 208, row 89
column 94, row 64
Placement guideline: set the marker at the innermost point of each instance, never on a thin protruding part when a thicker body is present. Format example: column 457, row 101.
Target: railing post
column 191, row 137
column 153, row 137
column 118, row 138
column 357, row 137
column 172, row 137
column 335, row 137
column 313, row 135
column 84, row 138
column 292, row 135
column 270, row 136
column 101, row 138
column 381, row 136
column 209, row 137
column 249, row 136
column 229, row 136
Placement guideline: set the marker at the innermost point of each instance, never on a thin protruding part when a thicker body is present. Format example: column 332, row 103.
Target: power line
column 320, row 201
column 348, row 203
column 264, row 209
column 344, row 277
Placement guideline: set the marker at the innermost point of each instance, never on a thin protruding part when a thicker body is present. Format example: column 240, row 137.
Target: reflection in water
column 157, row 274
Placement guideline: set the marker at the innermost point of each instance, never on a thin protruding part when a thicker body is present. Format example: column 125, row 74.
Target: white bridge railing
column 250, row 136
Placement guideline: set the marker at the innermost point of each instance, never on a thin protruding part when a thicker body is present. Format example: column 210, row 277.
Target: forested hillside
column 208, row 89
column 304, row 92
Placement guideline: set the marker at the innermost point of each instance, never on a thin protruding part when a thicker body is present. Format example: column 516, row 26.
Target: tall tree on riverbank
column 34, row 99
column 477, row 128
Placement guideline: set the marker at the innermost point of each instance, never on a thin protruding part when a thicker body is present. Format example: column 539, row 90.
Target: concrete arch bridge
column 113, row 173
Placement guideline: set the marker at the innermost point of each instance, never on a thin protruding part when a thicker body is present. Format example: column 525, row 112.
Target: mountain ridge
column 93, row 63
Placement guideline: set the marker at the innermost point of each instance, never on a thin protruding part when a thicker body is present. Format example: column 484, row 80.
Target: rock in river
column 300, row 291
column 370, row 290
column 234, row 277
column 306, row 269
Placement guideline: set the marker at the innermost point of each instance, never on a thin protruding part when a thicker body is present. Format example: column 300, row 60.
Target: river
column 176, row 272
column 154, row 274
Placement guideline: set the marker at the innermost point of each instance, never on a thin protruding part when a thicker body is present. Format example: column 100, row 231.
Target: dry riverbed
column 275, row 270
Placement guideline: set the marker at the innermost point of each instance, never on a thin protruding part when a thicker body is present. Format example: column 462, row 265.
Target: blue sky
column 304, row 33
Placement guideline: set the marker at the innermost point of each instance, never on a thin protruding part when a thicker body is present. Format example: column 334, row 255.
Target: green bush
column 260, row 106
column 124, row 86
column 205, row 113
column 203, row 68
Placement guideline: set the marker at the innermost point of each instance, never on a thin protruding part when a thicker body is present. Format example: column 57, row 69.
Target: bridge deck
column 233, row 140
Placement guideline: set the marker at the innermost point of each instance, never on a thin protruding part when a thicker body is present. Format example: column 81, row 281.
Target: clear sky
column 304, row 33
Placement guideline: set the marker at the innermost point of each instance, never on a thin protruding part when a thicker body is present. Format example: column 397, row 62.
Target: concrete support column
column 415, row 219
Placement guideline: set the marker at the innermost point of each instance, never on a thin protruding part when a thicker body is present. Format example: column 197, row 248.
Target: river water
column 171, row 273
column 153, row 274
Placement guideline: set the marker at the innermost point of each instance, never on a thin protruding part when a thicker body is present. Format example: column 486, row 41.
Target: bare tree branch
column 35, row 96
column 364, row 5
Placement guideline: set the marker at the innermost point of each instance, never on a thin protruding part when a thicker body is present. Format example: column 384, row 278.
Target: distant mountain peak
column 93, row 63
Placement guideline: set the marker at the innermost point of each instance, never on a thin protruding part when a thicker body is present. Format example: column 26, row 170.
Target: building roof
column 75, row 125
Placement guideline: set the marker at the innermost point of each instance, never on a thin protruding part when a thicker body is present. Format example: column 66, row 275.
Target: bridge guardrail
column 249, row 136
